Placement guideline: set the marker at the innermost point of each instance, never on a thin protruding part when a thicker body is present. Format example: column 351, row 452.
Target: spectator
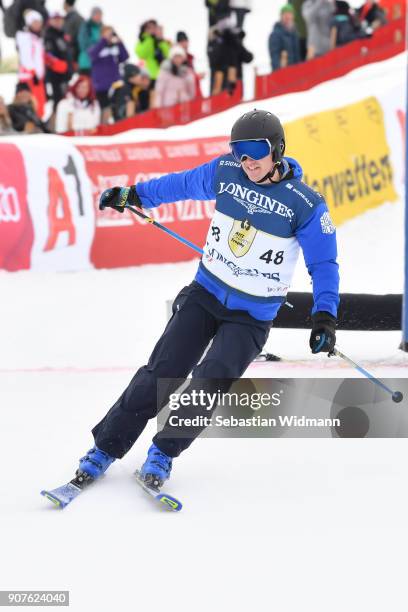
column 23, row 113
column 152, row 48
column 182, row 40
column 106, row 56
column 226, row 54
column 284, row 43
column 344, row 27
column 79, row 111
column 175, row 82
column 72, row 24
column 15, row 13
column 57, row 75
column 6, row 126
column 240, row 8
column 132, row 95
column 371, row 16
column 217, row 10
column 89, row 34
column 300, row 26
column 317, row 15
column 31, row 56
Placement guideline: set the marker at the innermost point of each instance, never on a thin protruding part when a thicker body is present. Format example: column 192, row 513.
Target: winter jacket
column 31, row 55
column 123, row 92
column 105, row 59
column 226, row 50
column 72, row 24
column 153, row 52
column 31, row 69
column 278, row 218
column 174, row 85
column 317, row 15
column 282, row 39
column 346, row 30
column 21, row 114
column 89, row 34
column 299, row 21
column 56, row 44
column 85, row 115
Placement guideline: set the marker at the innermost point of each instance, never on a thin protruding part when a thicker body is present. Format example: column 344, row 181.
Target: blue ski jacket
column 256, row 233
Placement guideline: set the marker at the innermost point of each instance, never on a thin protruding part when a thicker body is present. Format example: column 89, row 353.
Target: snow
column 285, row 524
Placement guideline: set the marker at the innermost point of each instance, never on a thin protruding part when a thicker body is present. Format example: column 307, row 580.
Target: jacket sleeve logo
column 327, row 224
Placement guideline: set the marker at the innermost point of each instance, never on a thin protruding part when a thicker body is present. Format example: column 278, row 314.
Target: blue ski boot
column 157, row 467
column 95, row 463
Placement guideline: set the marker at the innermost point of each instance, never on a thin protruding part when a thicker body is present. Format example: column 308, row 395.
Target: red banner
column 123, row 239
column 179, row 114
column 16, row 229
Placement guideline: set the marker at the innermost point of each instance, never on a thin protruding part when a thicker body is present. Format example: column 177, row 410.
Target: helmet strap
column 269, row 175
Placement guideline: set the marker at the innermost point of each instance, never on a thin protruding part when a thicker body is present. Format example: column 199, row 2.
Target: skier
column 264, row 214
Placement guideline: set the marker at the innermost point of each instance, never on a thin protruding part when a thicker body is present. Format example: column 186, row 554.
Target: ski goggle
column 255, row 149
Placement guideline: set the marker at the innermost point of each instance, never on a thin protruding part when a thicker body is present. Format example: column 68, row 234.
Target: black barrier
column 357, row 311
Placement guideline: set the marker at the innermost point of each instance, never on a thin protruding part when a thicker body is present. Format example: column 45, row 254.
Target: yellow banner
column 345, row 157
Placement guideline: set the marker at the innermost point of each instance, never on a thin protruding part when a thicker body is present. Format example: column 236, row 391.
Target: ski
column 169, row 502
column 64, row 495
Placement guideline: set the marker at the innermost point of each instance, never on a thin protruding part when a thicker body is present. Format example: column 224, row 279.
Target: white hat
column 31, row 16
column 177, row 50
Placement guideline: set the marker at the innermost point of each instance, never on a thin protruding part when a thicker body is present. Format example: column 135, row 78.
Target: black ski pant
column 198, row 317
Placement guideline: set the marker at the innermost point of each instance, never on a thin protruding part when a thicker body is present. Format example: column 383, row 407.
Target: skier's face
column 256, row 169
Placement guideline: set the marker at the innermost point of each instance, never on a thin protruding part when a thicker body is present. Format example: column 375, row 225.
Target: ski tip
column 170, row 502
column 51, row 498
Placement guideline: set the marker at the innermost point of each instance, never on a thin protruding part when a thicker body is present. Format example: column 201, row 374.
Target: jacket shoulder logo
column 327, row 224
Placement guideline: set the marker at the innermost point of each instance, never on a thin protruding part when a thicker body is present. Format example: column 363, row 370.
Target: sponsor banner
column 123, row 239
column 393, row 103
column 16, row 230
column 49, row 187
column 345, row 156
column 60, row 202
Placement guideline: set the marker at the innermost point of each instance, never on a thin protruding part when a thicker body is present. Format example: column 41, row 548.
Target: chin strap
column 284, row 172
column 270, row 174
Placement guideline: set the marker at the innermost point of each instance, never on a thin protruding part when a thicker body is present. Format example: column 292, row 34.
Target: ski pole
column 395, row 395
column 141, row 214
column 193, row 246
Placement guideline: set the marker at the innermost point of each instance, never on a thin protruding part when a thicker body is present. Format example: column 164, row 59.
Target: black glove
column 323, row 336
column 118, row 197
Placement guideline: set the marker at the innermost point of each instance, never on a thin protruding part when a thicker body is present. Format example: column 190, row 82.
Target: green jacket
column 299, row 21
column 88, row 35
column 148, row 49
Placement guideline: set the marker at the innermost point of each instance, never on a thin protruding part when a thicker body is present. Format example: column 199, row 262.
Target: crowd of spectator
column 81, row 67
column 311, row 28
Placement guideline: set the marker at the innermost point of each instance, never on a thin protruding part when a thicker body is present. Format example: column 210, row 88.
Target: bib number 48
column 270, row 258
